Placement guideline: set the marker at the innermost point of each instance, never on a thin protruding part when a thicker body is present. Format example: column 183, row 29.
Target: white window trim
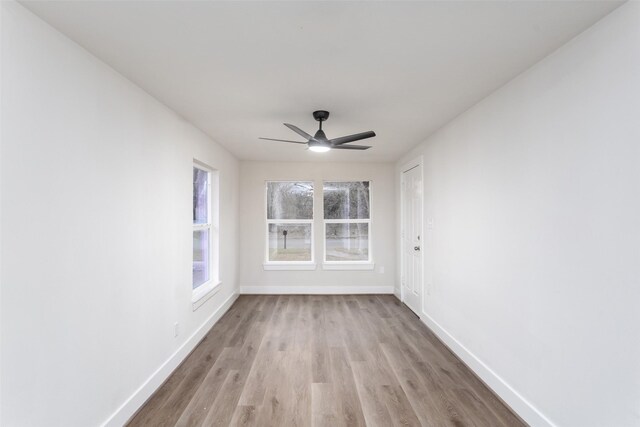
column 367, row 264
column 288, row 265
column 206, row 290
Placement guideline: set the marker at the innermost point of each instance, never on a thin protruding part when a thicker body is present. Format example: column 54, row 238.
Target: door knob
column 416, row 248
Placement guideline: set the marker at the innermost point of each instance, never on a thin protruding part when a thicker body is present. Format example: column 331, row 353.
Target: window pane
column 289, row 200
column 289, row 242
column 347, row 242
column 200, row 196
column 200, row 257
column 346, row 200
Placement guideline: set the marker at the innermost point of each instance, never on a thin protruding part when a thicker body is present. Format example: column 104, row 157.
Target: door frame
column 417, row 161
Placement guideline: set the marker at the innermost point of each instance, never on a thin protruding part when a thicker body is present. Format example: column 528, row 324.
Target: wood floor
column 322, row 360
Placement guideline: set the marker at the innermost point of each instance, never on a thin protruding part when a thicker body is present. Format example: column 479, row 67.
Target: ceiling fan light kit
column 319, row 142
column 319, row 148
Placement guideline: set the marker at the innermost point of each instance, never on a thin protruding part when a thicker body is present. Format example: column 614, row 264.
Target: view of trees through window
column 289, row 221
column 347, row 220
column 201, row 227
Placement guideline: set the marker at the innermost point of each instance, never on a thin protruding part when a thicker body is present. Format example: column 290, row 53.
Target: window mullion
column 289, row 221
column 202, row 226
column 347, row 221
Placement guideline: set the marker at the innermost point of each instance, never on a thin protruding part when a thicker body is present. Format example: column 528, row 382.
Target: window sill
column 290, row 266
column 205, row 291
column 340, row 265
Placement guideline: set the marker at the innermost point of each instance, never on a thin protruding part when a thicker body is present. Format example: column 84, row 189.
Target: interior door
column 412, row 239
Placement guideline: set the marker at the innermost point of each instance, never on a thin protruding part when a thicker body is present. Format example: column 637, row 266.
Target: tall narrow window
column 289, row 222
column 347, row 222
column 205, row 230
column 201, row 226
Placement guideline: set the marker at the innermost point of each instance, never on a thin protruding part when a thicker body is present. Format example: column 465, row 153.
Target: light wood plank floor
column 322, row 360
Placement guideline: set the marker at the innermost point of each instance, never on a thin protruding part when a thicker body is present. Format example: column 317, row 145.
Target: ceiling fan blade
column 351, row 147
column 351, row 138
column 283, row 140
column 299, row 131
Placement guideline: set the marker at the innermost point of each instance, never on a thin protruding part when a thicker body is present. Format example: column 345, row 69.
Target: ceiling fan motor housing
column 320, row 135
column 319, row 142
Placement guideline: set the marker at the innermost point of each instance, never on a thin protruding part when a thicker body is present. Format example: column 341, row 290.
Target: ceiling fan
column 320, row 143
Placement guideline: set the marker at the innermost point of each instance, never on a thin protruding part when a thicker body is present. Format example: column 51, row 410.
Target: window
column 289, row 223
column 205, row 231
column 347, row 222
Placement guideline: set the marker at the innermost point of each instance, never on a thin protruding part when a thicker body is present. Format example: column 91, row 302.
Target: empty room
column 320, row 213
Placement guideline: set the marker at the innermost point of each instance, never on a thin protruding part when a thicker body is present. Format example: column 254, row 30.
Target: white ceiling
column 238, row 70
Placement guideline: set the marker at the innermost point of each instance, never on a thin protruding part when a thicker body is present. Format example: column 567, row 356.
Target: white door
column 412, row 238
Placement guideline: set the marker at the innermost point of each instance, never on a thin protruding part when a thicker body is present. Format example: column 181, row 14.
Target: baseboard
column 316, row 290
column 140, row 396
column 511, row 397
column 397, row 293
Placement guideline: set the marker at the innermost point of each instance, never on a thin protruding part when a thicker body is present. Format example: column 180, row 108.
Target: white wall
column 1, row 133
column 96, row 233
column 534, row 259
column 253, row 277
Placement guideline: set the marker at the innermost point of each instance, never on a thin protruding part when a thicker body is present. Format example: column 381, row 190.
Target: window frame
column 210, row 287
column 289, row 265
column 367, row 264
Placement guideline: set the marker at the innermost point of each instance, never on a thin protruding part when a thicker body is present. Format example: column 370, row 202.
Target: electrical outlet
column 381, row 269
column 176, row 329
